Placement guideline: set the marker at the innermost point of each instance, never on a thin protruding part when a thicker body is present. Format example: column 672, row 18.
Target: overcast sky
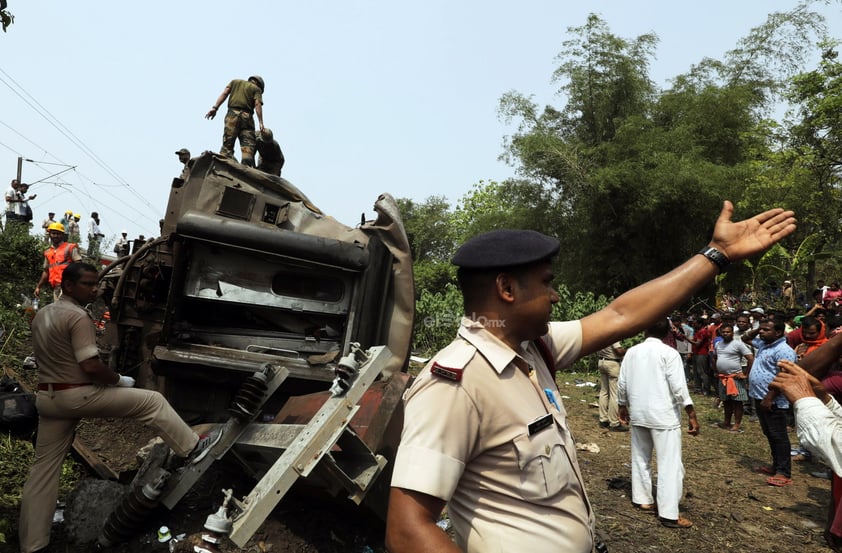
column 364, row 97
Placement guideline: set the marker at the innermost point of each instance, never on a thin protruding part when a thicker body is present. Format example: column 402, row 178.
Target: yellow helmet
column 55, row 226
column 77, row 216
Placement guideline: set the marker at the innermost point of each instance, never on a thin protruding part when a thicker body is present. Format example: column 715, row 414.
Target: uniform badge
column 448, row 373
column 451, row 362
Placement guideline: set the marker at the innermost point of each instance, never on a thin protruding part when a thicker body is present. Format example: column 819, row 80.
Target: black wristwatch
column 716, row 257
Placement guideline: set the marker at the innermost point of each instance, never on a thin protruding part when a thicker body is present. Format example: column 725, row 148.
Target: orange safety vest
column 57, row 259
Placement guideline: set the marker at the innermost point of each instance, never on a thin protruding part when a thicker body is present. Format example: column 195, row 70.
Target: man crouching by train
column 485, row 430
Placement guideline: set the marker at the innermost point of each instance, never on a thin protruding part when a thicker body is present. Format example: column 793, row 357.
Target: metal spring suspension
column 123, row 522
column 251, row 393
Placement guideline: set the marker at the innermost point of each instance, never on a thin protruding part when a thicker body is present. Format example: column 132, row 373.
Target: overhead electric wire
column 17, row 153
column 50, row 176
column 67, row 133
column 73, row 189
column 58, row 125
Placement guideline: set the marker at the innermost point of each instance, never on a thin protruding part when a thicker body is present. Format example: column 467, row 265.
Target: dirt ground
column 732, row 507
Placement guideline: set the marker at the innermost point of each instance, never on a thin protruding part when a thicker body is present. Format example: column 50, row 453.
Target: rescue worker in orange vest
column 58, row 256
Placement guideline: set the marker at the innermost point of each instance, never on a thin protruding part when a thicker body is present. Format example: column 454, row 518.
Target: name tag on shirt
column 539, row 424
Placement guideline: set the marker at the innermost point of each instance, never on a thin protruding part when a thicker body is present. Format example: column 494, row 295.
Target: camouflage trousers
column 239, row 125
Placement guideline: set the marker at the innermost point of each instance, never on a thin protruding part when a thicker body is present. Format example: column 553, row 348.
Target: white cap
column 757, row 310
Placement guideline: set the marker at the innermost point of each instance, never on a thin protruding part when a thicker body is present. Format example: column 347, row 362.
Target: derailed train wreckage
column 256, row 311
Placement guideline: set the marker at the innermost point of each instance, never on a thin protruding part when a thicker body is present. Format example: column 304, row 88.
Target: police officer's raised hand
column 749, row 237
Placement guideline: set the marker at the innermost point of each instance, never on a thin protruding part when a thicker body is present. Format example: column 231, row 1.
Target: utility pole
column 20, row 167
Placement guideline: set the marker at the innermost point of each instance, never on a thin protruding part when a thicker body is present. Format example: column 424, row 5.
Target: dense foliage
column 644, row 171
column 630, row 178
column 20, row 268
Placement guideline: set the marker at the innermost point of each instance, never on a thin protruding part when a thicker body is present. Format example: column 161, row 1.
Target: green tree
column 21, row 259
column 437, row 316
column 429, row 229
column 813, row 155
column 513, row 203
column 640, row 174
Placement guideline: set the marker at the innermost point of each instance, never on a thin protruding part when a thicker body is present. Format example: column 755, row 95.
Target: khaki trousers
column 58, row 414
column 609, row 372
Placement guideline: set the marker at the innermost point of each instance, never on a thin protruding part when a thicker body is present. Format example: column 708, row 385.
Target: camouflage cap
column 505, row 248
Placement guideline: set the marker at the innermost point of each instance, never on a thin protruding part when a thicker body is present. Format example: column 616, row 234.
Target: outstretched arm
column 638, row 308
column 212, row 113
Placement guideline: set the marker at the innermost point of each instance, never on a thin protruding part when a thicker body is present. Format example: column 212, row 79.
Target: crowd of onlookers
column 695, row 335
column 744, row 357
column 18, row 211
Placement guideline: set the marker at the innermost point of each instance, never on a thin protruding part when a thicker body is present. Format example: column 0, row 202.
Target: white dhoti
column 667, row 444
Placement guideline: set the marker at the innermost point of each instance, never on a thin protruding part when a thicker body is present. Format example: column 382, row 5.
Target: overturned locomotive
column 255, row 310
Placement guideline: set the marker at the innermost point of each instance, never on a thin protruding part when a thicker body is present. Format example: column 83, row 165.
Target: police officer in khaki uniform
column 609, row 373
column 73, row 383
column 485, row 430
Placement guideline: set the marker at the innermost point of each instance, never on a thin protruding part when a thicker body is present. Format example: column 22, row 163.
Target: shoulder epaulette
column 451, row 362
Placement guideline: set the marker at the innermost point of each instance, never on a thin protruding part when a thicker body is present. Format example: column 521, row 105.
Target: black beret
column 505, row 248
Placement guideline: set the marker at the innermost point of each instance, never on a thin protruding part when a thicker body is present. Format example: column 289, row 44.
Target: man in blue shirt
column 771, row 407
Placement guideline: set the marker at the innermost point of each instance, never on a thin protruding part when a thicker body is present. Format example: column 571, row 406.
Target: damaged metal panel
column 248, row 273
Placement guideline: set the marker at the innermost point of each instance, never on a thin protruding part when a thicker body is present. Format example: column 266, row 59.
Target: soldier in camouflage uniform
column 271, row 157
column 244, row 99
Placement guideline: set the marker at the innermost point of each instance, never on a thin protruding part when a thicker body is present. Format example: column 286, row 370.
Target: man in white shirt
column 95, row 235
column 51, row 218
column 818, row 418
column 17, row 202
column 651, row 392
column 11, row 197
column 121, row 248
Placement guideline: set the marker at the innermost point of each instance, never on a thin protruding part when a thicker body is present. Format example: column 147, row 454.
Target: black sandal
column 680, row 523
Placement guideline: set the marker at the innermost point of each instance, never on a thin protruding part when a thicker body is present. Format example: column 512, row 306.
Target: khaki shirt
column 610, row 352
column 467, row 441
column 63, row 335
column 244, row 95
